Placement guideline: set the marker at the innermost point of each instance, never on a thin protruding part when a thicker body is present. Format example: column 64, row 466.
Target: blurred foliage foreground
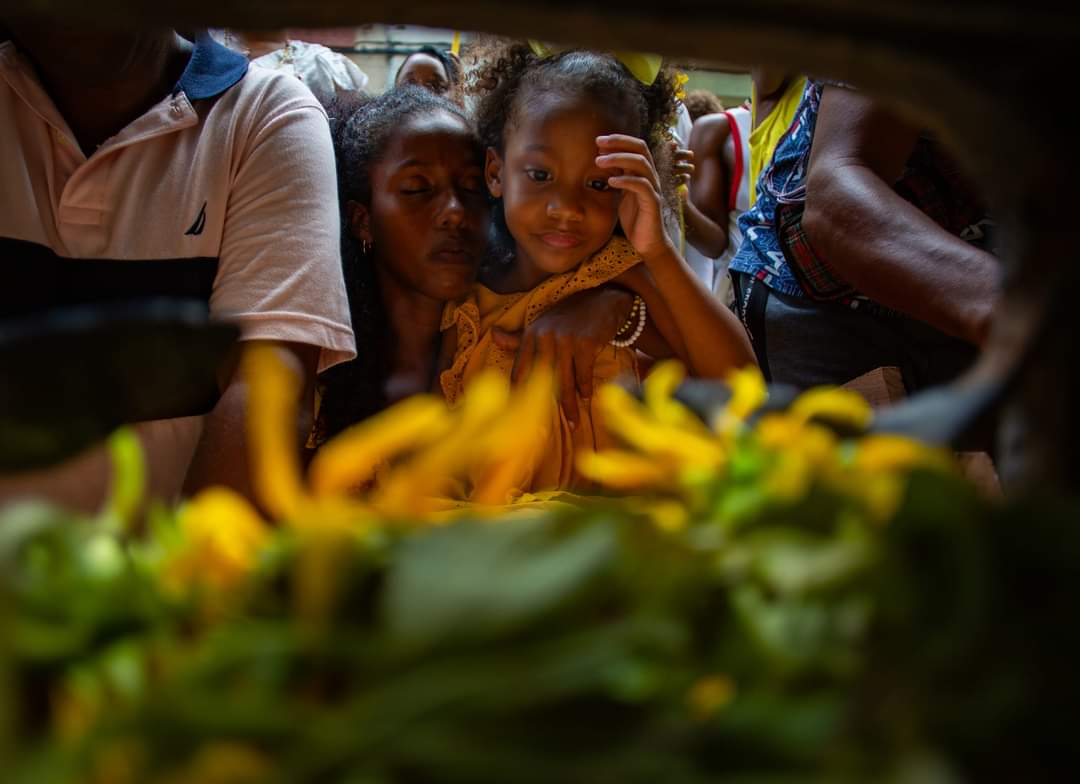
column 767, row 597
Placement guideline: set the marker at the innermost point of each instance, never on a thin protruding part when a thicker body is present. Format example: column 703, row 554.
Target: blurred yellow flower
column 223, row 762
column 748, row 393
column 507, row 451
column 658, row 391
column 222, row 535
column 886, row 452
column 709, row 694
column 835, row 404
column 670, row 516
column 632, row 422
column 680, row 84
column 350, row 459
column 623, row 470
column 273, row 398
column 414, row 487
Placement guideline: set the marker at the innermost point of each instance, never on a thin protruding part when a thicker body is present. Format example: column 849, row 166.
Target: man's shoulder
column 269, row 88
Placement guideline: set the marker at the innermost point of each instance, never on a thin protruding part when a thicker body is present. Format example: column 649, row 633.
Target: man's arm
column 221, row 457
column 707, row 208
column 877, row 241
column 83, row 483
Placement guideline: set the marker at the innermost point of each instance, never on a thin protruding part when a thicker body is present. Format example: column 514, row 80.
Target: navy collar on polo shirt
column 212, row 70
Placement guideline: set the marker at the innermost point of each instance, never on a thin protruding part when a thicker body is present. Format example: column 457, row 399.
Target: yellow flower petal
column 881, row 495
column 273, row 395
column 222, row 536
column 659, row 390
column 350, row 459
column 710, row 694
column 228, row 762
column 513, row 445
column 631, row 422
column 415, row 487
column 748, row 394
column 835, row 404
column 624, row 470
column 886, row 452
column 669, row 516
column 128, row 477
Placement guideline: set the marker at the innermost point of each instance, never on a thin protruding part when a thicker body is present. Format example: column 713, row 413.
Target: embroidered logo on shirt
column 200, row 222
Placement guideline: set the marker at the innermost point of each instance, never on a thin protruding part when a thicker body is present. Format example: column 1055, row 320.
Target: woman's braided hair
column 507, row 74
column 361, row 128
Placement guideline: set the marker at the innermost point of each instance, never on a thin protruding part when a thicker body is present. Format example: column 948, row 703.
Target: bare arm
column 221, row 457
column 83, row 482
column 707, row 208
column 881, row 244
column 688, row 321
column 715, row 342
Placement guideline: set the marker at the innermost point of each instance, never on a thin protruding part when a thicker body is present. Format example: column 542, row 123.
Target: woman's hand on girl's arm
column 569, row 336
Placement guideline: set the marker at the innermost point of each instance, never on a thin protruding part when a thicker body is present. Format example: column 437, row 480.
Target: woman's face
column 424, row 71
column 429, row 212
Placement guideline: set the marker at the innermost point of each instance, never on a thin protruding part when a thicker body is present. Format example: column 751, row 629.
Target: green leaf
column 482, row 578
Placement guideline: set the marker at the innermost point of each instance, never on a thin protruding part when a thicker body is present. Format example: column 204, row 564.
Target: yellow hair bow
column 645, row 67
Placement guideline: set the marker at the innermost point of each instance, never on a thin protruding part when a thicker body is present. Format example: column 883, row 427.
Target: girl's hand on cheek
column 640, row 211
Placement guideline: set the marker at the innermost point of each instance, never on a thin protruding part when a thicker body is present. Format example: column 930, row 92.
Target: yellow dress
column 483, row 310
column 765, row 137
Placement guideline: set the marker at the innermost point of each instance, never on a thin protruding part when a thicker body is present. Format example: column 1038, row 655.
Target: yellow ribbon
column 455, row 47
column 644, row 66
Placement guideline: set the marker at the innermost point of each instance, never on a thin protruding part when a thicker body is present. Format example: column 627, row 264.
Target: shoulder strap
column 737, row 175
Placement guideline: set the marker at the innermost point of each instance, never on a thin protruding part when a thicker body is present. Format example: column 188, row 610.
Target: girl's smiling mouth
column 561, row 239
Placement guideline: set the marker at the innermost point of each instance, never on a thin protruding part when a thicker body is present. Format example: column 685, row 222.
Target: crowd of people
column 517, row 207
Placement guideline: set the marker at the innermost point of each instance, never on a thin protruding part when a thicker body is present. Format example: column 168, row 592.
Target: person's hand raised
column 640, row 211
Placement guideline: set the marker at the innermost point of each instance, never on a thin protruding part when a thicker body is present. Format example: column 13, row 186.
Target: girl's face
column 558, row 205
column 429, row 214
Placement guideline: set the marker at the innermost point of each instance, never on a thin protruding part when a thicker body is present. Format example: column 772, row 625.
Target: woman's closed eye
column 415, row 185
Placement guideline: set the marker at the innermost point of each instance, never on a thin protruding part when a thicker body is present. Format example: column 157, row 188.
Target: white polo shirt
column 224, row 191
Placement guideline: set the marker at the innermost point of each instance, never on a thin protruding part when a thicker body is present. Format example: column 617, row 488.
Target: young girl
column 572, row 144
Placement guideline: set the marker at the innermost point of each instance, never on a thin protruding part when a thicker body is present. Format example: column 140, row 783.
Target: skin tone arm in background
column 707, row 208
column 879, row 242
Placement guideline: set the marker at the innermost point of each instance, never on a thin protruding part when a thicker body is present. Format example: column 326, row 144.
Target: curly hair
column 508, row 73
column 361, row 129
column 702, row 102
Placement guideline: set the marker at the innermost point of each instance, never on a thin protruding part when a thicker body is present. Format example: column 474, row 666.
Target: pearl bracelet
column 639, row 305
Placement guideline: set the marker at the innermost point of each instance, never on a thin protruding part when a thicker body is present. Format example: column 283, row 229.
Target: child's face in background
column 429, row 213
column 558, row 206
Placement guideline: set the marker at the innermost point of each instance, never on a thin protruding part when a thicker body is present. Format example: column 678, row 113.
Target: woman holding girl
column 414, row 234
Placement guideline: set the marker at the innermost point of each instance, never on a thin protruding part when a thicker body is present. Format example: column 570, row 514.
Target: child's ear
column 493, row 166
column 359, row 221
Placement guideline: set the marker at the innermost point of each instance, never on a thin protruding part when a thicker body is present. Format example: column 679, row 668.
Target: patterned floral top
column 772, row 231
